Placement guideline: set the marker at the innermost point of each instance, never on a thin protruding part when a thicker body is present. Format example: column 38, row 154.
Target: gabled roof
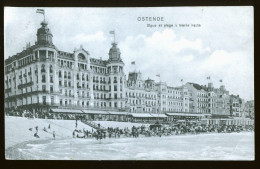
column 198, row 87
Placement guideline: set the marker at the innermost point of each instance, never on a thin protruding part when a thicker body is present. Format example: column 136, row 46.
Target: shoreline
column 14, row 152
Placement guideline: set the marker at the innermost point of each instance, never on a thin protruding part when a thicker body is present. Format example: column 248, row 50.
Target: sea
column 213, row 146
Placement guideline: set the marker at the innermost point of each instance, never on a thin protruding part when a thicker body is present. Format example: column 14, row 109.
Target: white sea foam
column 232, row 146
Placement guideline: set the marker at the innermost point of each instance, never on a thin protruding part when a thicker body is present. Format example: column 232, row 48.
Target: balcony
column 29, row 73
column 25, row 85
column 20, row 76
column 43, row 70
column 8, row 90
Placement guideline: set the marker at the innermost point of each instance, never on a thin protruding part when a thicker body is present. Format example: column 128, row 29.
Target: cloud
column 177, row 58
column 161, row 47
column 86, row 38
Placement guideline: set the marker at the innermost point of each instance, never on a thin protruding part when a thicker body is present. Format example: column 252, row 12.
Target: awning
column 181, row 121
column 159, row 115
column 66, row 111
column 118, row 113
column 95, row 112
column 185, row 114
column 141, row 115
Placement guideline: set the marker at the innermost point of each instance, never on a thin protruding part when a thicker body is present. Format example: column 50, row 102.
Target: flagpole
column 114, row 36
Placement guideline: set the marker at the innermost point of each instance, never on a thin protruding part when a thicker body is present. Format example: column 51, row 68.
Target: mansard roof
column 65, row 55
column 98, row 62
column 26, row 52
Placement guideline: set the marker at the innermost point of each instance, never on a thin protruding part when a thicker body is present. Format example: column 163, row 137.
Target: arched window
column 81, row 56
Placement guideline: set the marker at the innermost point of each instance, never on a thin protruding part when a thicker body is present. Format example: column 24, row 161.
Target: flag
column 133, row 63
column 41, row 11
column 112, row 32
column 158, row 75
column 220, row 80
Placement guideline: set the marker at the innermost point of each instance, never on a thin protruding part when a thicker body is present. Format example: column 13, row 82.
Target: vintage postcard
column 152, row 83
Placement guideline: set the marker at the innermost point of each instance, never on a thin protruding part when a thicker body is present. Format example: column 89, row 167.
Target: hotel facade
column 42, row 78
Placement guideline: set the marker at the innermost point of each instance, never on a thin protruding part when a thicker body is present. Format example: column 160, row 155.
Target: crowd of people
column 159, row 130
column 43, row 115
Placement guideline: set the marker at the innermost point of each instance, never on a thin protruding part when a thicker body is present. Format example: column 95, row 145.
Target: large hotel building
column 43, row 78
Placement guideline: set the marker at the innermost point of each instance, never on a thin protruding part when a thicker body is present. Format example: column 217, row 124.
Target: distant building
column 141, row 95
column 208, row 100
column 237, row 106
column 250, row 109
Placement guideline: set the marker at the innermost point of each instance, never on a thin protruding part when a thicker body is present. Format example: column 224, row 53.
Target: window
column 44, row 88
column 60, row 101
column 43, row 79
column 43, row 68
column 69, row 76
column 51, row 79
column 51, row 88
column 44, row 100
column 52, row 99
column 51, row 69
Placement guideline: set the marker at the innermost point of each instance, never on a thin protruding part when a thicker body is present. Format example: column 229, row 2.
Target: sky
column 203, row 41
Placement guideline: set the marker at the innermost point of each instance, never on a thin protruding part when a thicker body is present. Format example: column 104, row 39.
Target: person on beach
column 73, row 134
column 36, row 135
column 49, row 127
column 53, row 135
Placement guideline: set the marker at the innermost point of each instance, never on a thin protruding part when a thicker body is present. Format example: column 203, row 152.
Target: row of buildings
column 41, row 78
